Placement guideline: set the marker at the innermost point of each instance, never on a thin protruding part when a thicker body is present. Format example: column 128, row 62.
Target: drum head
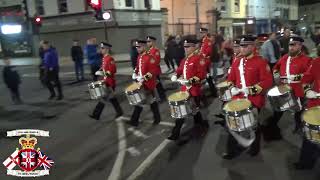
column 133, row 86
column 96, row 84
column 279, row 90
column 237, row 105
column 223, row 84
column 179, row 96
column 312, row 116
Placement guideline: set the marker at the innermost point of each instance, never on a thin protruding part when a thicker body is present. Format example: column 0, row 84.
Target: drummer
column 146, row 74
column 291, row 68
column 251, row 77
column 190, row 70
column 309, row 151
column 155, row 53
column 107, row 70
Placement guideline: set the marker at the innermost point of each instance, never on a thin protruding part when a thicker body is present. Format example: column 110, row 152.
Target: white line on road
column 147, row 162
column 164, row 123
column 137, row 133
column 122, row 146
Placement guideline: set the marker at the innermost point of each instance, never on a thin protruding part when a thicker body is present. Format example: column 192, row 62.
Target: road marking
column 137, row 133
column 134, row 151
column 164, row 123
column 122, row 146
column 147, row 162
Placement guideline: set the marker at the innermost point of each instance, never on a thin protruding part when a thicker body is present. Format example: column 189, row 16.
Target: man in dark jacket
column 77, row 57
column 12, row 80
column 41, row 68
column 315, row 38
column 284, row 42
column 51, row 64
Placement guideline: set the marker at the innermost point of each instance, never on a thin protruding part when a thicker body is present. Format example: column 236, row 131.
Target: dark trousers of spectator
column 42, row 75
column 15, row 95
column 177, row 61
column 133, row 63
column 94, row 69
column 78, row 66
column 52, row 78
column 272, row 65
column 169, row 62
column 161, row 90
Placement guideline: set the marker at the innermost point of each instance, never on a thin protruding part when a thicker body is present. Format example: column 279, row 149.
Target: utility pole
column 197, row 18
column 172, row 16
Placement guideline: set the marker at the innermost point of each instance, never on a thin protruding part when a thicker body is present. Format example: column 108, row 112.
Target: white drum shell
column 97, row 90
column 282, row 102
column 241, row 123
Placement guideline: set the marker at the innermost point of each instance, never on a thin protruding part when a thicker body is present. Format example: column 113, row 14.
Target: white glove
column 208, row 75
column 140, row 79
column 174, row 78
column 134, row 76
column 245, row 90
column 99, row 73
column 235, row 91
column 311, row 94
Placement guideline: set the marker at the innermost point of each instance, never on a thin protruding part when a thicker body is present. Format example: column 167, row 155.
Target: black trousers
column 94, row 68
column 169, row 61
column 15, row 95
column 309, row 153
column 234, row 148
column 52, row 80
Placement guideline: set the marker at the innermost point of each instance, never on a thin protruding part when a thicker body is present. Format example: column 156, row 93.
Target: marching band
column 250, row 81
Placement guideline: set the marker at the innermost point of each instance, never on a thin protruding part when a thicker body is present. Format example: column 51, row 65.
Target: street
column 109, row 149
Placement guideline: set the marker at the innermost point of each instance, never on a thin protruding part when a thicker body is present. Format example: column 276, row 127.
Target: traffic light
column 37, row 21
column 218, row 15
column 95, row 4
column 99, row 14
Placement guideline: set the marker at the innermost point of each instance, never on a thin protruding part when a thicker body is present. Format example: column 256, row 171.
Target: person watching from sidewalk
column 77, row 57
column 41, row 68
column 12, row 80
column 94, row 57
column 51, row 64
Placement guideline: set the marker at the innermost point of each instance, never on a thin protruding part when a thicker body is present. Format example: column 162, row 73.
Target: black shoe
column 299, row 166
column 59, row 98
column 52, row 96
column 228, row 156
column 94, row 117
column 134, row 120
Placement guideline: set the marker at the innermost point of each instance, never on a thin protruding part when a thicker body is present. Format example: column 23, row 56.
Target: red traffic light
column 95, row 4
column 37, row 20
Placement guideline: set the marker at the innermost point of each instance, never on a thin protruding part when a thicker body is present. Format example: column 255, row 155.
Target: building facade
column 309, row 16
column 65, row 20
column 268, row 15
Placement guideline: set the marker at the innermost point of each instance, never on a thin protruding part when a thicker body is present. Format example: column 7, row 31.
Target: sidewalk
column 64, row 61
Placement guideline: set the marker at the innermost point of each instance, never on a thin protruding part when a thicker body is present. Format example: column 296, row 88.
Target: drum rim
column 309, row 124
column 288, row 92
column 238, row 113
column 186, row 92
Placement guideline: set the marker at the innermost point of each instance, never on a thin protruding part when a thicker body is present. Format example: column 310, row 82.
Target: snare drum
column 98, row 89
column 311, row 121
column 223, row 91
column 239, row 115
column 134, row 94
column 180, row 105
column 282, row 98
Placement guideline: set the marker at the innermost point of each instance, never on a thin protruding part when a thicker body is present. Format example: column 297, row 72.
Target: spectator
column 12, row 80
column 77, row 57
column 178, row 50
column 133, row 53
column 215, row 55
column 227, row 53
column 315, row 37
column 284, row 42
column 94, row 58
column 168, row 56
column 270, row 50
column 51, row 64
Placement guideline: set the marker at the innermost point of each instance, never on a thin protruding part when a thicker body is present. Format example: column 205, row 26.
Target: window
column 222, row 8
column 62, row 6
column 236, row 5
column 39, row 7
column 147, row 4
column 129, row 3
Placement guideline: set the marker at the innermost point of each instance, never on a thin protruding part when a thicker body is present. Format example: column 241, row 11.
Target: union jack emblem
column 44, row 161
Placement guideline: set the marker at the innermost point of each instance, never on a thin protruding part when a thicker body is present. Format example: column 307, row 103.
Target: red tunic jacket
column 147, row 64
column 109, row 65
column 155, row 53
column 256, row 71
column 298, row 65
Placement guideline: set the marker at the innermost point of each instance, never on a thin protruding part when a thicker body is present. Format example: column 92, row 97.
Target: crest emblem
column 28, row 159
